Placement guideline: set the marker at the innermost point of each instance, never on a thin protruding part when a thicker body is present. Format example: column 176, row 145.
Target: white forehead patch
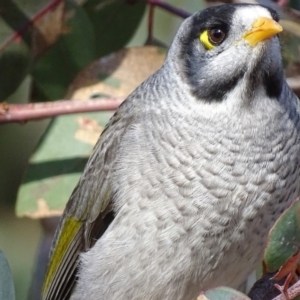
column 247, row 15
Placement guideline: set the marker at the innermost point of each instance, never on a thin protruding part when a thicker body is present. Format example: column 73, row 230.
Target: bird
column 191, row 171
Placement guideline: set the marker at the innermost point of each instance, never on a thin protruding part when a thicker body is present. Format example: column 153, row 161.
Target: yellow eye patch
column 205, row 40
column 212, row 37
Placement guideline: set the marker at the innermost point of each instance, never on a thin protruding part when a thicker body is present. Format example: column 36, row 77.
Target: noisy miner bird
column 191, row 171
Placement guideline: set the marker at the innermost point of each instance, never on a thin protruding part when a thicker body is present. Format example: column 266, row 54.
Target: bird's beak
column 262, row 29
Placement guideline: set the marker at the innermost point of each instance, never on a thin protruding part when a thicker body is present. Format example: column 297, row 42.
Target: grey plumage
column 196, row 166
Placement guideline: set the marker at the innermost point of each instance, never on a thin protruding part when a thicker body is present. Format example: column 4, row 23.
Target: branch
column 20, row 113
column 292, row 292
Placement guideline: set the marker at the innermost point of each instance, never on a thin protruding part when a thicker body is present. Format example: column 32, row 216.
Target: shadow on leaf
column 53, row 168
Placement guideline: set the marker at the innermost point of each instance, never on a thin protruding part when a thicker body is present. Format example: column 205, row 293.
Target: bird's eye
column 212, row 37
column 216, row 36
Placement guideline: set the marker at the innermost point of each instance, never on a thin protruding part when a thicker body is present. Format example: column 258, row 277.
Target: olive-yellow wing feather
column 88, row 212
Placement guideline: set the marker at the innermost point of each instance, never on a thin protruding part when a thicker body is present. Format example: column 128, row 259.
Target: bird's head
column 229, row 46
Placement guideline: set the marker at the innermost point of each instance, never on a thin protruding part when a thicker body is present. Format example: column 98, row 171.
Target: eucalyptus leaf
column 56, row 69
column 15, row 62
column 284, row 239
column 114, row 22
column 19, row 36
column 222, row 293
column 92, row 30
column 56, row 165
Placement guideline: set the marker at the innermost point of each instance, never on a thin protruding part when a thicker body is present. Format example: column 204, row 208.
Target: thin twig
column 170, row 8
column 292, row 292
column 19, row 33
column 20, row 113
column 150, row 23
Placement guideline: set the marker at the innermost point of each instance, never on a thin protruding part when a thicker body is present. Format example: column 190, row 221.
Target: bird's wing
column 88, row 212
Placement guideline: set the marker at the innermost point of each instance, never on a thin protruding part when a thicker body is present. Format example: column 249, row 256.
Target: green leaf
column 56, row 165
column 57, row 68
column 7, row 290
column 18, row 39
column 114, row 22
column 284, row 239
column 294, row 4
column 92, row 31
column 15, row 62
column 222, row 293
column 290, row 51
column 290, row 38
column 15, row 17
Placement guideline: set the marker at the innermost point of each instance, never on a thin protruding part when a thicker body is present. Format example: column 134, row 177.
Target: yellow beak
column 262, row 29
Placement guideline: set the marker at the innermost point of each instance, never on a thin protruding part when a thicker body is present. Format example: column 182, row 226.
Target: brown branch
column 292, row 292
column 20, row 113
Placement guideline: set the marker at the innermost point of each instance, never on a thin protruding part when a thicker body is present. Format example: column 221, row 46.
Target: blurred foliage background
column 19, row 237
column 48, row 49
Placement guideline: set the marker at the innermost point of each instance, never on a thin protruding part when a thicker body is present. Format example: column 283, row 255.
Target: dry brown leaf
column 48, row 29
column 117, row 74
